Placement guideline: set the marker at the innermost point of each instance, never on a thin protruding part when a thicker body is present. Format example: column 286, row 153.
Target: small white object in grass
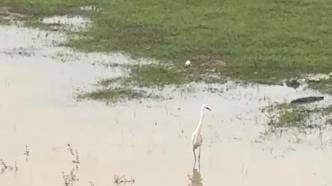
column 188, row 63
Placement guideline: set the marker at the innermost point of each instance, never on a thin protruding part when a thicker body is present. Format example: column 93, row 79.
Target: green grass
column 324, row 86
column 287, row 116
column 149, row 76
column 113, row 94
column 291, row 118
column 258, row 39
column 45, row 7
column 296, row 116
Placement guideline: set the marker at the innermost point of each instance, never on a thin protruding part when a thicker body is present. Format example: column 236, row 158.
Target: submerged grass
column 152, row 75
column 287, row 116
column 291, row 118
column 296, row 116
column 113, row 94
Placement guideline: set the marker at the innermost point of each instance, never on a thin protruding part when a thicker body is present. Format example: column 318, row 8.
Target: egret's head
column 206, row 107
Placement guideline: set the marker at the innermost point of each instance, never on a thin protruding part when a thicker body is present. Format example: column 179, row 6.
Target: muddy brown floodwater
column 146, row 140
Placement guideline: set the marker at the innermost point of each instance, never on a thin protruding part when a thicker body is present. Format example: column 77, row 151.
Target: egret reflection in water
column 196, row 178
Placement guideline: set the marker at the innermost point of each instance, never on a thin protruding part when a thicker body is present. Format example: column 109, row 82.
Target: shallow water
column 147, row 140
column 69, row 23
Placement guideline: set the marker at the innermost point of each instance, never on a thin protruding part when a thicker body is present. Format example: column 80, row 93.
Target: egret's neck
column 199, row 126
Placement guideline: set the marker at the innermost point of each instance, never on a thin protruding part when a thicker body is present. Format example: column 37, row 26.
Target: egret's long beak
column 208, row 108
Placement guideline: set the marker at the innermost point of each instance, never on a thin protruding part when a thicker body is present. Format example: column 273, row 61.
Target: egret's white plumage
column 187, row 63
column 196, row 137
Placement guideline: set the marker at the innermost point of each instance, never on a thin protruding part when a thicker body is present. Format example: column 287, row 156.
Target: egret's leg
column 194, row 158
column 199, row 158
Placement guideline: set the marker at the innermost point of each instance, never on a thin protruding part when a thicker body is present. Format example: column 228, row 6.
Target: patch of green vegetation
column 324, row 86
column 255, row 40
column 148, row 75
column 259, row 40
column 295, row 116
column 291, row 118
column 113, row 94
column 31, row 12
column 110, row 82
column 287, row 116
column 39, row 8
column 156, row 75
column 35, row 22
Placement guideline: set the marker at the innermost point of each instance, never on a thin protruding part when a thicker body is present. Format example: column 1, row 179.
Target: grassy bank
column 260, row 40
column 255, row 40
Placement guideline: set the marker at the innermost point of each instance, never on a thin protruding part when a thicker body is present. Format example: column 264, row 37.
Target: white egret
column 196, row 137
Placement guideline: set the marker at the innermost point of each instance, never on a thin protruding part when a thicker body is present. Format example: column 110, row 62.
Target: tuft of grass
column 291, row 118
column 287, row 116
column 110, row 82
column 113, row 94
column 296, row 116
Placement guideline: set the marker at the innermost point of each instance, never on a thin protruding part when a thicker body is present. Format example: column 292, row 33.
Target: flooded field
column 47, row 137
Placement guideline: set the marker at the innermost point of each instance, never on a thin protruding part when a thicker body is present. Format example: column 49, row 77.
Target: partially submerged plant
column 26, row 152
column 74, row 154
column 72, row 177
column 292, row 116
column 123, row 180
column 8, row 167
